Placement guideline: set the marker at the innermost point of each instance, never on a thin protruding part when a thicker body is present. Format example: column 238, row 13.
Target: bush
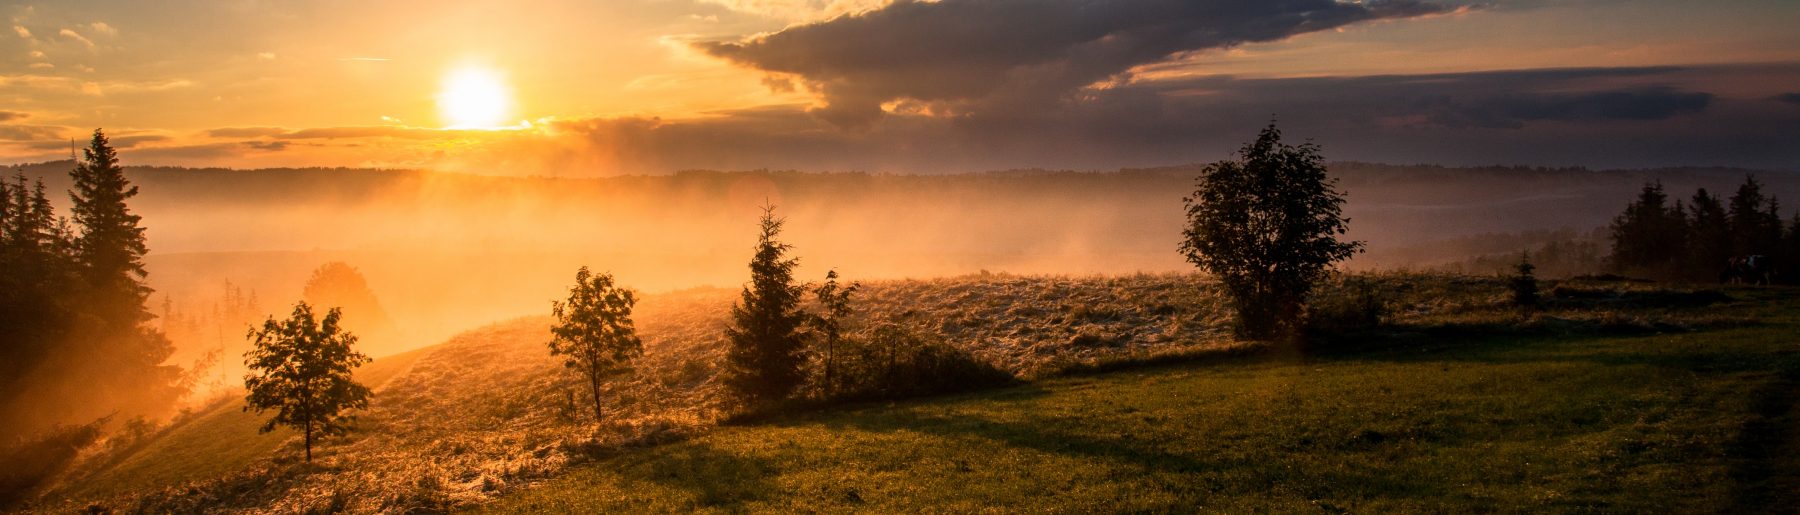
column 28, row 462
column 1344, row 306
column 891, row 361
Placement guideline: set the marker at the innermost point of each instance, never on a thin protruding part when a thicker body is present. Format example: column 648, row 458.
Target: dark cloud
column 989, row 54
column 1598, row 117
column 245, row 132
column 1791, row 98
column 1513, row 111
column 31, row 132
column 7, row 116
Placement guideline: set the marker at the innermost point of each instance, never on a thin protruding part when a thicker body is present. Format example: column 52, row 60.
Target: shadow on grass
column 1763, row 454
column 716, row 479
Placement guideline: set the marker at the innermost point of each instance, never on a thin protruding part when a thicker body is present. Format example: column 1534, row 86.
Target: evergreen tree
column 1754, row 220
column 593, row 330
column 1648, row 236
column 1709, row 236
column 765, row 348
column 1523, row 283
column 111, row 246
column 301, row 368
column 1267, row 227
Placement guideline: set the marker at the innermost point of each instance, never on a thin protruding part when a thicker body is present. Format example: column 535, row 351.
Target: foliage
column 593, row 330
column 830, row 325
column 73, row 337
column 1709, row 240
column 340, row 285
column 891, row 361
column 1523, row 283
column 29, row 462
column 1345, row 306
column 766, row 350
column 301, row 369
column 1267, row 227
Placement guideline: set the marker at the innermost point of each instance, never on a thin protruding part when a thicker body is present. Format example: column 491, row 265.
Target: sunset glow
column 474, row 98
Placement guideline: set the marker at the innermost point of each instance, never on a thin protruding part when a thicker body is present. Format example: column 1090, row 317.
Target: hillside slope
column 490, row 410
column 1619, row 417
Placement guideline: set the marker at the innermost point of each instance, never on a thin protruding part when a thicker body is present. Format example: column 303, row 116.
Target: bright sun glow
column 474, row 98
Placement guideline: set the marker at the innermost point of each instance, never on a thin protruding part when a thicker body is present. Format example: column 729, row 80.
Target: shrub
column 1347, row 305
column 31, row 461
column 892, row 361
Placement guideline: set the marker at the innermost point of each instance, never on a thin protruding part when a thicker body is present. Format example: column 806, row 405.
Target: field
column 1133, row 396
column 1653, row 422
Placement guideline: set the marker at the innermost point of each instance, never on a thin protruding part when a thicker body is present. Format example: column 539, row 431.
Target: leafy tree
column 301, row 368
column 1267, row 226
column 593, row 330
column 835, row 311
column 765, row 347
column 338, row 284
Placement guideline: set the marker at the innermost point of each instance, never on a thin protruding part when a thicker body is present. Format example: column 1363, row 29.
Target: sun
column 474, row 98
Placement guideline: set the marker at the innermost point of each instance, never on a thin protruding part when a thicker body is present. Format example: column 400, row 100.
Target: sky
column 591, row 88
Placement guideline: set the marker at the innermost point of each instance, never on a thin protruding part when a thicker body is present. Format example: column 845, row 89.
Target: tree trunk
column 594, row 381
column 309, row 443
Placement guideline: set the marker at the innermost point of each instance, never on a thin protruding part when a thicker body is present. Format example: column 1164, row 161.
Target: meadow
column 1129, row 393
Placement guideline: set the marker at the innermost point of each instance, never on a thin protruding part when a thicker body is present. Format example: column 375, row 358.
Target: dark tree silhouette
column 301, row 368
column 1646, row 236
column 1708, row 236
column 111, row 246
column 1755, row 220
column 1267, row 226
column 593, row 330
column 834, row 313
column 765, row 347
column 1523, row 283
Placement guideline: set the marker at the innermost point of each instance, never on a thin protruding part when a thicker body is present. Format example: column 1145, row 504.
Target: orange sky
column 253, row 83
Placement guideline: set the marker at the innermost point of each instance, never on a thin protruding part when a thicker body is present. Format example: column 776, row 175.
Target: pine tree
column 593, row 330
column 765, row 348
column 1754, row 220
column 301, row 368
column 1267, row 227
column 111, row 247
column 1709, row 236
column 1523, row 283
column 1648, row 236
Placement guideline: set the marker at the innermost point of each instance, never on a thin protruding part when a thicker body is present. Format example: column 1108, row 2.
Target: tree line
column 1705, row 238
column 75, row 343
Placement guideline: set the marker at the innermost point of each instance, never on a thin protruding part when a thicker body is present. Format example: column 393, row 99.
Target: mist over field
column 444, row 252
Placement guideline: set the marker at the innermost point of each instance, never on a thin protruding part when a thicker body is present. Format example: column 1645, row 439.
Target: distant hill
column 448, row 251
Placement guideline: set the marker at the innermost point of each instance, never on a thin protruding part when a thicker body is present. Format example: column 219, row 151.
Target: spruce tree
column 1754, row 220
column 1709, row 236
column 111, row 247
column 763, row 361
column 1647, row 237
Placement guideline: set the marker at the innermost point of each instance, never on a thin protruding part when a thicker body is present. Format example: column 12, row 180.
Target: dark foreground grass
column 1692, row 421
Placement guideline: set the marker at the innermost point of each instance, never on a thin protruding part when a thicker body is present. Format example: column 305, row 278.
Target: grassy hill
column 1624, row 419
column 1457, row 400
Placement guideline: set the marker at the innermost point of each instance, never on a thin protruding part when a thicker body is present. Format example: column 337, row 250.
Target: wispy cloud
column 71, row 34
column 22, row 31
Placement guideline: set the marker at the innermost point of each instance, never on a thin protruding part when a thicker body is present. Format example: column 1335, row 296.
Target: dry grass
column 490, row 410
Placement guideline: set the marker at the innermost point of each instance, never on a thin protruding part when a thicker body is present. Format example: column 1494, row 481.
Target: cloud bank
column 984, row 55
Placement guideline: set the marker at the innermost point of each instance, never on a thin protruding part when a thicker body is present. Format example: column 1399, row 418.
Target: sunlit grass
column 1650, row 423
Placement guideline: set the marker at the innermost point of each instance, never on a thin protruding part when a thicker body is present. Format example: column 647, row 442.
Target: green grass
column 1691, row 421
column 217, row 441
